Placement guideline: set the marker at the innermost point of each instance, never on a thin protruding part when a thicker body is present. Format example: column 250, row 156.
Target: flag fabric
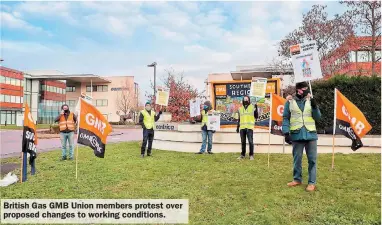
column 29, row 141
column 350, row 121
column 93, row 128
column 277, row 104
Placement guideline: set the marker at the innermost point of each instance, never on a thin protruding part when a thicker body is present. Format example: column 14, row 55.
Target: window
column 17, row 99
column 13, row 99
column 88, row 89
column 104, row 87
column 71, row 103
column 353, row 56
column 363, row 56
column 377, row 55
column 73, row 89
column 18, row 82
column 28, row 85
column 2, row 98
column 101, row 102
column 21, row 99
column 2, row 79
column 7, row 98
column 3, row 115
column 43, row 88
column 22, row 83
column 97, row 88
column 7, row 80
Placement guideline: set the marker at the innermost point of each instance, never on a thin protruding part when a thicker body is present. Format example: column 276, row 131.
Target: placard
column 213, row 122
column 306, row 62
column 162, row 97
column 258, row 87
column 195, row 107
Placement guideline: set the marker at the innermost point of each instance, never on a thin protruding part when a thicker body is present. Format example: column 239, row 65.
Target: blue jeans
column 206, row 134
column 311, row 153
column 67, row 137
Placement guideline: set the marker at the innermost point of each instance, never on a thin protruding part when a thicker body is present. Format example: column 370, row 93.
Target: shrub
column 364, row 92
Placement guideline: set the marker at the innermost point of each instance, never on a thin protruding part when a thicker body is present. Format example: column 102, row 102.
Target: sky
column 122, row 38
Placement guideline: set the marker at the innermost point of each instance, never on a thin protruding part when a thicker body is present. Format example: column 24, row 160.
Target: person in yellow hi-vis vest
column 147, row 119
column 299, row 127
column 66, row 121
column 246, row 123
column 206, row 134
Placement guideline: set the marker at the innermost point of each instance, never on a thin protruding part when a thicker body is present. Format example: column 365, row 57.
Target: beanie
column 301, row 85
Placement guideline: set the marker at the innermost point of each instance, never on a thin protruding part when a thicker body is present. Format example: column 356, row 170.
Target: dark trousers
column 246, row 133
column 148, row 135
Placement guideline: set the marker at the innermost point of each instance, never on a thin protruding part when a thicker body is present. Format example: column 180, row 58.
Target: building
column 46, row 91
column 353, row 57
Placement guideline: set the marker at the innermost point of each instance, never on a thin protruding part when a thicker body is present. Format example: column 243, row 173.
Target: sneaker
column 294, row 183
column 63, row 158
column 199, row 153
column 241, row 157
column 143, row 155
column 148, row 154
column 210, row 152
column 310, row 188
column 251, row 157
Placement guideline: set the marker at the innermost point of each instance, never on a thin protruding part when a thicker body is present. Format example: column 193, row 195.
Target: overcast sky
column 121, row 38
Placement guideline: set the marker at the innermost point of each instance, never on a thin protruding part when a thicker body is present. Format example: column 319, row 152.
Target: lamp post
column 154, row 64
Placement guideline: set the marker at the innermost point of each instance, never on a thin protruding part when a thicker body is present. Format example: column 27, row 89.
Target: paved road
column 11, row 141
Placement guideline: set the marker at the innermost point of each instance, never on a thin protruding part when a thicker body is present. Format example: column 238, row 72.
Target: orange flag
column 350, row 121
column 93, row 128
column 278, row 103
column 29, row 141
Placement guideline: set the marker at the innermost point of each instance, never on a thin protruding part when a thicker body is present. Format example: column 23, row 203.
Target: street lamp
column 154, row 64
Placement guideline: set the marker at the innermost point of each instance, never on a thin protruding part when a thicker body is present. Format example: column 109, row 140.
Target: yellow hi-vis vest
column 148, row 120
column 247, row 119
column 298, row 119
column 69, row 123
column 205, row 117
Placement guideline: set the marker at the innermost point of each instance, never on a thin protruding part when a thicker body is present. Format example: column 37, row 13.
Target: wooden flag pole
column 270, row 128
column 334, row 124
column 310, row 87
column 78, row 133
column 21, row 167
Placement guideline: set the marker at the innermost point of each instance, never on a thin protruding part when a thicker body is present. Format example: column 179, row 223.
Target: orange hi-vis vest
column 67, row 124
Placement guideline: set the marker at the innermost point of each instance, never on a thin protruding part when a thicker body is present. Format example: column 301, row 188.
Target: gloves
column 32, row 157
column 160, row 112
column 237, row 130
column 288, row 139
column 313, row 103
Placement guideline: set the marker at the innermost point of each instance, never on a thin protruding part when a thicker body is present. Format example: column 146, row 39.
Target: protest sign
column 162, row 96
column 258, row 87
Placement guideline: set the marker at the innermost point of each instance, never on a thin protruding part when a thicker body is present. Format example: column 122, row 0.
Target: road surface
column 11, row 141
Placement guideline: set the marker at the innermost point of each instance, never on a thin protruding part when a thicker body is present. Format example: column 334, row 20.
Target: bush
column 364, row 92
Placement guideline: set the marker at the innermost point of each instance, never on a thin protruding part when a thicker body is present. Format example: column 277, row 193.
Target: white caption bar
column 94, row 211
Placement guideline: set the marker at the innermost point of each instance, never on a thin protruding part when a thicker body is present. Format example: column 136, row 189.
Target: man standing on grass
column 147, row 118
column 299, row 127
column 245, row 125
column 66, row 121
column 206, row 134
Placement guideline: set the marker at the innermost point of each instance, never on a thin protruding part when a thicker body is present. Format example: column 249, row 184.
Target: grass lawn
column 14, row 127
column 220, row 189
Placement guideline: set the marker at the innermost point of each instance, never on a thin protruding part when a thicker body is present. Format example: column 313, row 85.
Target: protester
column 206, row 134
column 147, row 118
column 66, row 121
column 245, row 125
column 299, row 127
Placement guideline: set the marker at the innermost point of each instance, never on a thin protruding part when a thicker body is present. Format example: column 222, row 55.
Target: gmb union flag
column 350, row 121
column 277, row 114
column 29, row 141
column 93, row 128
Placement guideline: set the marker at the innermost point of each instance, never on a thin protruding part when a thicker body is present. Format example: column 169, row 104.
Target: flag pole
column 310, row 87
column 270, row 127
column 21, row 167
column 334, row 124
column 78, row 132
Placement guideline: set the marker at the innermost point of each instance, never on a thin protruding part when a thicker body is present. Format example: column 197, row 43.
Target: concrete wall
column 111, row 96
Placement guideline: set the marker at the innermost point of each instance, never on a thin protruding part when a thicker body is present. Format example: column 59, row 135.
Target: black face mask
column 304, row 93
column 246, row 102
column 66, row 111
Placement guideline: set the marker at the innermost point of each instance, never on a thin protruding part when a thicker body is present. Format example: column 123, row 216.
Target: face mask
column 66, row 110
column 205, row 107
column 305, row 93
column 148, row 108
column 246, row 102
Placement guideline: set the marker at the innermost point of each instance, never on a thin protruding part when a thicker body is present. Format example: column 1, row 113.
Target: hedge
column 364, row 92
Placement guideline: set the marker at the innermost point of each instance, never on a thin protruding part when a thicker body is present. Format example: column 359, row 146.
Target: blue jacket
column 303, row 134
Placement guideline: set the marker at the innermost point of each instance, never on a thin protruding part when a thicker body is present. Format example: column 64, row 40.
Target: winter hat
column 148, row 103
column 301, row 85
column 208, row 103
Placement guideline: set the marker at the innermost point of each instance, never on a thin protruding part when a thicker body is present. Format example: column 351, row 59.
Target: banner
column 228, row 98
column 306, row 63
column 278, row 103
column 162, row 97
column 350, row 121
column 258, row 87
column 93, row 128
column 29, row 141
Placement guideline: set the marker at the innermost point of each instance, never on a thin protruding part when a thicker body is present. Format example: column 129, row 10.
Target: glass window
column 7, row 98
column 17, row 99
column 363, row 56
column 21, row 99
column 353, row 56
column 13, row 81
column 104, row 87
column 2, row 98
column 22, row 83
column 13, row 99
column 9, row 118
column 2, row 79
column 71, row 89
column 64, row 91
column 3, row 117
column 29, row 85
column 43, row 87
column 7, row 80
column 18, row 83
column 377, row 55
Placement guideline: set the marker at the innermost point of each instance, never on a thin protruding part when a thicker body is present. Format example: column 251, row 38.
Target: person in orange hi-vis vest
column 66, row 121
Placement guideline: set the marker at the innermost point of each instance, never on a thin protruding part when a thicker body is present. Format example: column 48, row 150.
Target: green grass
column 14, row 127
column 220, row 189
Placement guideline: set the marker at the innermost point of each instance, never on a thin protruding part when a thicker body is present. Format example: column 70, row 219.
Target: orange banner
column 278, row 103
column 29, row 122
column 348, row 113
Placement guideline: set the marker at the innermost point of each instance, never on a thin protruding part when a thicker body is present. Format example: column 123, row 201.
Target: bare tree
column 367, row 17
column 125, row 98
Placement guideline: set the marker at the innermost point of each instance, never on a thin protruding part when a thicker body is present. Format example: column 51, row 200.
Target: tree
column 125, row 100
column 181, row 92
column 367, row 17
column 329, row 34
